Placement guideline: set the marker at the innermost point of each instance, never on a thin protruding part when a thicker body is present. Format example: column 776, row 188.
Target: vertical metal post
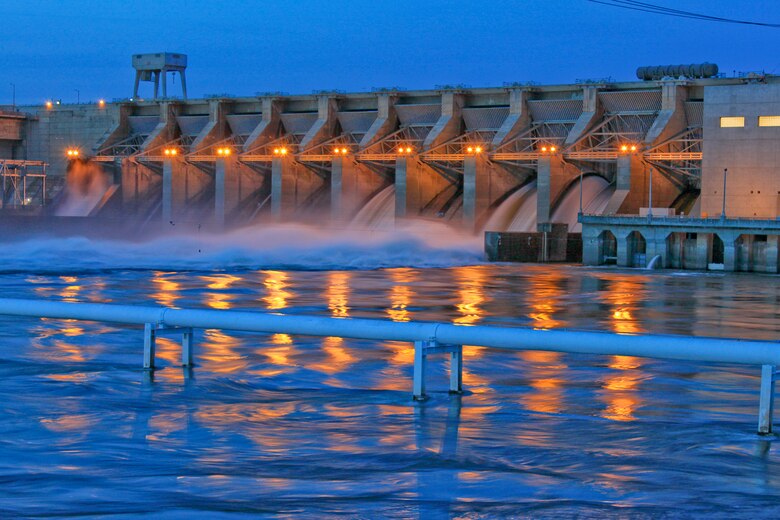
column 580, row 191
column 456, row 370
column 650, row 197
column 766, row 400
column 186, row 348
column 149, row 340
column 419, row 370
column 723, row 211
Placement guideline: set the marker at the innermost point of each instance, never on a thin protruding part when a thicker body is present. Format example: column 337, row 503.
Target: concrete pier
column 682, row 243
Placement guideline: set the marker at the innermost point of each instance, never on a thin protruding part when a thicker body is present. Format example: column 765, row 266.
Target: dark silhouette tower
column 150, row 67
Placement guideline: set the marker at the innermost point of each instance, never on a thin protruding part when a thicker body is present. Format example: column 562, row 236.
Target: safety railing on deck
column 428, row 338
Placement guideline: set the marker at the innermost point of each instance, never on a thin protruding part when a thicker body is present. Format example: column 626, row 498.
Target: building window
column 768, row 120
column 732, row 122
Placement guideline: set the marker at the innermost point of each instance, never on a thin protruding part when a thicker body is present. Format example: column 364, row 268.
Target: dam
column 518, row 158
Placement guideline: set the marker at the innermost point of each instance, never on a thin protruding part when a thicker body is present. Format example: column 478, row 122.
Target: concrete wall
column 55, row 130
column 751, row 154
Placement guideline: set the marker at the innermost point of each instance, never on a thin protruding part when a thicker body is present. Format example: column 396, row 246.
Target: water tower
column 149, row 67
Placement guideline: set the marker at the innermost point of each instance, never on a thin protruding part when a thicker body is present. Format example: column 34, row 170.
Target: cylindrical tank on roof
column 696, row 70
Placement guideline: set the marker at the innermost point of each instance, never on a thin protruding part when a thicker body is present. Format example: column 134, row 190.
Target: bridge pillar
column 167, row 191
column 475, row 189
column 234, row 184
column 703, row 252
column 591, row 245
column 183, row 186
column 656, row 245
column 623, row 248
column 550, row 180
column 140, row 185
column 415, row 186
column 292, row 186
column 729, row 250
column 219, row 192
column 350, row 185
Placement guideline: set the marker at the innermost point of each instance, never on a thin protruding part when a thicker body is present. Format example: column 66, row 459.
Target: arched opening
column 607, row 248
column 717, row 251
column 636, row 249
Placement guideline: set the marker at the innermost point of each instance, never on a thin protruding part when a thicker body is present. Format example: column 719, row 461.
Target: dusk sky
column 51, row 48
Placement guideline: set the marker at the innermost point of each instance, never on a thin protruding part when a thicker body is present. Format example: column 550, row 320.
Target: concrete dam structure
column 516, row 158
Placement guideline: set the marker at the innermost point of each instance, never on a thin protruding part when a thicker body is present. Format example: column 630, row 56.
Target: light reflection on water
column 321, row 422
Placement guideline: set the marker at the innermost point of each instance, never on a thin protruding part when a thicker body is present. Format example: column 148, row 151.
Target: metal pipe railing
column 428, row 337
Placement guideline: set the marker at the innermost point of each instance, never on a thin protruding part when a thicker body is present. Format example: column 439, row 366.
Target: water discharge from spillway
column 518, row 213
column 86, row 184
column 596, row 193
column 379, row 212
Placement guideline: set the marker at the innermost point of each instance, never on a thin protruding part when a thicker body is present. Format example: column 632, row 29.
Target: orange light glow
column 633, row 148
column 544, row 149
column 478, row 149
column 624, row 148
column 408, row 149
column 72, row 152
column 49, row 105
column 470, row 149
column 552, row 149
column 102, row 103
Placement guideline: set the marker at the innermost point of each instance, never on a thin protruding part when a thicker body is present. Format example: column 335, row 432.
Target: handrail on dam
column 428, row 338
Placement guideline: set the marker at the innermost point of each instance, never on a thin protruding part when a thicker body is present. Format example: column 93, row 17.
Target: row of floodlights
column 51, row 104
column 225, row 151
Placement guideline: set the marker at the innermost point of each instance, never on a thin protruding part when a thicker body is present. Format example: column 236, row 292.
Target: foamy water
column 289, row 246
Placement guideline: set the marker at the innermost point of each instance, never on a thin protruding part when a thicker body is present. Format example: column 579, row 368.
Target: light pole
column 580, row 191
column 650, row 197
column 78, row 96
column 723, row 211
column 13, row 87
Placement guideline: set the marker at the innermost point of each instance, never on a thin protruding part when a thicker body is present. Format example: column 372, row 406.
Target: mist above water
column 86, row 184
column 288, row 246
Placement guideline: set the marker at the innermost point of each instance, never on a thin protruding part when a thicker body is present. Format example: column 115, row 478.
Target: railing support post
column 186, row 348
column 456, row 369
column 419, row 369
column 149, row 344
column 767, row 399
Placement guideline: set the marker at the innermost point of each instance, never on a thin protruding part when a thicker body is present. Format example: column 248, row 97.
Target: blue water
column 281, row 426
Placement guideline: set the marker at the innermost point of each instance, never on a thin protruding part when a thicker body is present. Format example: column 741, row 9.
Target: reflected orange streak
column 338, row 358
column 219, row 282
column 623, row 295
column 167, row 291
column 401, row 293
column 546, row 372
column 338, row 293
column 543, row 298
column 70, row 292
column 219, row 353
column 470, row 280
column 275, row 283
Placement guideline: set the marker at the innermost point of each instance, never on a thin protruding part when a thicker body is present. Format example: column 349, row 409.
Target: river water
column 283, row 426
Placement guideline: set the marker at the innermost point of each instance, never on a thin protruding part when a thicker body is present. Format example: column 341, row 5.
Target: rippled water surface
column 288, row 426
